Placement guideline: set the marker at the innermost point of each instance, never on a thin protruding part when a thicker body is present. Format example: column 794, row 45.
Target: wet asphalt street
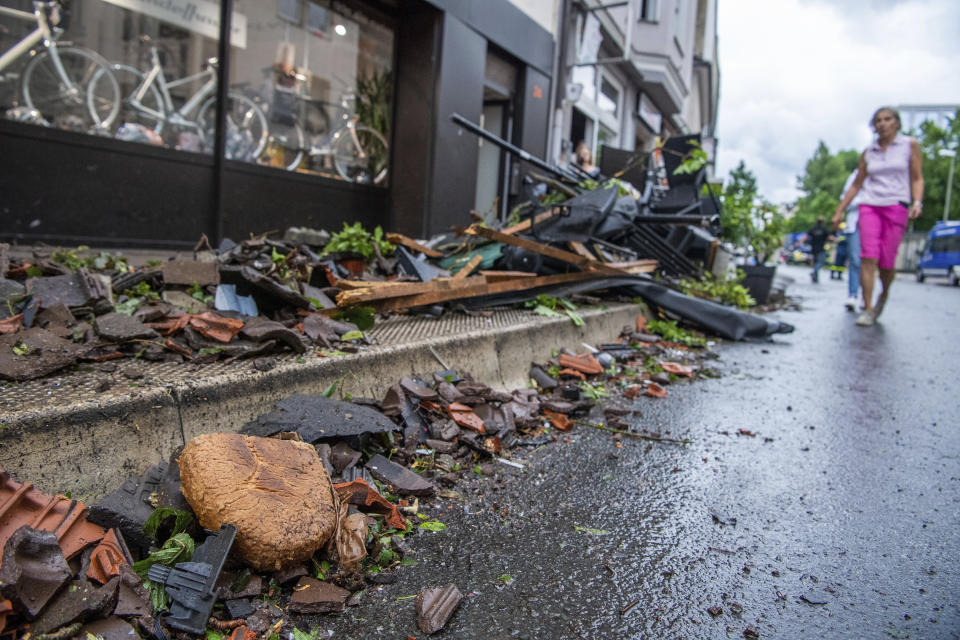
column 840, row 518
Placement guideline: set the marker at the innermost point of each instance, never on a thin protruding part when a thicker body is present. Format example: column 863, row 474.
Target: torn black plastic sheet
column 721, row 320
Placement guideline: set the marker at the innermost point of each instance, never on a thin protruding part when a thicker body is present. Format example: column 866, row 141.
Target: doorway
column 493, row 163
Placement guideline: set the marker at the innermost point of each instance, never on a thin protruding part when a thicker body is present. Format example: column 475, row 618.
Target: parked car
column 940, row 254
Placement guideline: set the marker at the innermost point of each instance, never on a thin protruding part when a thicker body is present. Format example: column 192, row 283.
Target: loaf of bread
column 276, row 492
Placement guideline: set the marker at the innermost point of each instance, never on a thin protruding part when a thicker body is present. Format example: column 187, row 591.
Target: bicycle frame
column 175, row 116
column 43, row 33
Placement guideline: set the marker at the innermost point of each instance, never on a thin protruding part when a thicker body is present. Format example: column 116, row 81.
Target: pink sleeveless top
column 888, row 173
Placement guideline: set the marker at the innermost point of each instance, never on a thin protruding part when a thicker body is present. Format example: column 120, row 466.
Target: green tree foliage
column 748, row 220
column 821, row 184
column 936, row 169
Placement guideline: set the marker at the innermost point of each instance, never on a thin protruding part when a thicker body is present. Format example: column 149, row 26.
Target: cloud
column 793, row 72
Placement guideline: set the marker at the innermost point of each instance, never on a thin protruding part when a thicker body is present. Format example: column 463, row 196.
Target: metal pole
column 220, row 128
column 946, row 205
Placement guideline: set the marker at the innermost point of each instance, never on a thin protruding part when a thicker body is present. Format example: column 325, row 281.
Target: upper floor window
column 650, row 10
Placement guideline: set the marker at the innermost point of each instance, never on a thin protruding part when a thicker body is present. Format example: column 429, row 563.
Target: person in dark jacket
column 818, row 237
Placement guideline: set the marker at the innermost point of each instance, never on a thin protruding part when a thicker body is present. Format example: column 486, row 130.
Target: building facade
column 147, row 125
column 634, row 72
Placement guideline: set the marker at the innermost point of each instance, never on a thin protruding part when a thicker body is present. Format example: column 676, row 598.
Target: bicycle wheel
column 149, row 112
column 246, row 126
column 360, row 155
column 287, row 141
column 68, row 98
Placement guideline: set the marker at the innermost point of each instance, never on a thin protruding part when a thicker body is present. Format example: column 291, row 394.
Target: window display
column 321, row 72
column 310, row 81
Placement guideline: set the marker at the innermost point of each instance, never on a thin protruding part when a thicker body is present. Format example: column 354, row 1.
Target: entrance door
column 493, row 164
column 492, row 161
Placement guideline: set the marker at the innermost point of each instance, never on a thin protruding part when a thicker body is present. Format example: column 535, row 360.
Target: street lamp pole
column 952, row 154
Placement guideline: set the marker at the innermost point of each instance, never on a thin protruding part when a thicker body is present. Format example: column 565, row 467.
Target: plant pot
column 352, row 262
column 758, row 281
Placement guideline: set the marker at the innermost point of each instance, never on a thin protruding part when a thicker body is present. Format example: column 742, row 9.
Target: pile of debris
column 313, row 291
column 345, row 484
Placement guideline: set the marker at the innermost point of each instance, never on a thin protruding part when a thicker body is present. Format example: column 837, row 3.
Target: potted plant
column 755, row 225
column 353, row 246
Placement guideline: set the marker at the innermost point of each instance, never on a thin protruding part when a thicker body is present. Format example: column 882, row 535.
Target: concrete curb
column 90, row 448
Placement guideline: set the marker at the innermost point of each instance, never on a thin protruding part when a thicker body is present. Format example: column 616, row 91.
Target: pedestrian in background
column 818, row 237
column 890, row 183
column 852, row 236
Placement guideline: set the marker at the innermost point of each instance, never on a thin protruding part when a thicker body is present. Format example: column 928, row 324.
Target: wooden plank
column 473, row 290
column 635, row 266
column 542, row 249
column 525, row 225
column 355, row 296
column 409, row 243
column 579, row 249
column 469, row 267
column 501, row 276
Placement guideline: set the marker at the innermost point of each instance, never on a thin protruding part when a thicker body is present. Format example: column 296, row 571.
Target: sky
column 794, row 72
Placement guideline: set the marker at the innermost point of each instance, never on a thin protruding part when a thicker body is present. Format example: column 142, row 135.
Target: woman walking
column 890, row 183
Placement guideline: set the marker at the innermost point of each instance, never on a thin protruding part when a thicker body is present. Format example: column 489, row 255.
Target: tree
column 822, row 183
column 936, row 170
column 748, row 220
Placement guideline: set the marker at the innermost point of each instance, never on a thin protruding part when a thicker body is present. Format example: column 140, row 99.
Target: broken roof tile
column 465, row 417
column 21, row 504
column 312, row 596
column 358, row 492
column 436, row 606
column 33, row 569
column 108, row 557
column 405, row 482
column 585, row 363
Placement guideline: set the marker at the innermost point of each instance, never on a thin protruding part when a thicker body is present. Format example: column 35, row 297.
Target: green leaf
column 351, row 335
column 506, row 577
column 127, row 308
column 408, row 562
column 330, row 390
column 21, row 349
column 210, row 350
column 332, row 352
column 546, row 311
column 423, row 516
column 433, row 525
column 386, row 557
column 478, row 470
column 363, row 317
column 34, row 272
column 178, row 548
column 574, row 318
column 182, row 521
column 596, row 532
column 210, row 634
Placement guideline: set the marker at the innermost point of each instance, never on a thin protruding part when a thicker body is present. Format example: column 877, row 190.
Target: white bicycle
column 57, row 81
column 147, row 101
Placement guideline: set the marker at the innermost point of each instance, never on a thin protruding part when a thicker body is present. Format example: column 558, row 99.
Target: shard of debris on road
column 465, row 417
column 78, row 602
column 584, row 363
column 22, row 504
column 435, row 606
column 676, row 368
column 317, row 417
column 33, row 569
column 359, row 492
column 656, row 391
column 188, row 272
column 34, row 353
column 108, row 557
column 312, row 596
column 404, row 481
column 233, row 478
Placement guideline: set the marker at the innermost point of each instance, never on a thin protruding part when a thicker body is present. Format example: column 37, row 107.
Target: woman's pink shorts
column 881, row 229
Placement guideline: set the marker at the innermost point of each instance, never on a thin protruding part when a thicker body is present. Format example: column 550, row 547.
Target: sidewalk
column 87, row 430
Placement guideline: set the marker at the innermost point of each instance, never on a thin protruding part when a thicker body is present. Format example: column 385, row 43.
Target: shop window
column 132, row 69
column 321, row 73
